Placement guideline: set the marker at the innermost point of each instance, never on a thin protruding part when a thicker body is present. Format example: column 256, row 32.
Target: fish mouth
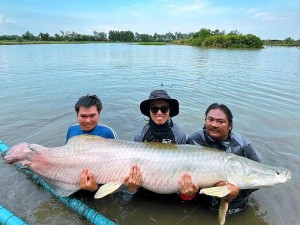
column 288, row 174
column 285, row 174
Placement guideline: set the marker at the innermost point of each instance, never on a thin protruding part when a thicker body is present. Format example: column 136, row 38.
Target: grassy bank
column 69, row 42
column 284, row 45
column 151, row 43
column 178, row 42
column 46, row 42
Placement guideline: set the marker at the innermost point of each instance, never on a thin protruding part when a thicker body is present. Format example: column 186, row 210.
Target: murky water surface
column 40, row 84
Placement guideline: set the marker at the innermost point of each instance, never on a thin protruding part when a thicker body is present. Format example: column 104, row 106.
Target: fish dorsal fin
column 36, row 147
column 220, row 191
column 107, row 189
column 83, row 137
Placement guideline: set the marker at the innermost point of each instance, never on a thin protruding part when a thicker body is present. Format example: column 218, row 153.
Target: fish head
column 249, row 174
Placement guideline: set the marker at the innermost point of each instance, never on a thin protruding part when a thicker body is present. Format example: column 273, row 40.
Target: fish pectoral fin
column 220, row 191
column 222, row 211
column 107, row 189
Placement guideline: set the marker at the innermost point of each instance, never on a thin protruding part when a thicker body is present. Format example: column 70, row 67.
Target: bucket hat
column 160, row 95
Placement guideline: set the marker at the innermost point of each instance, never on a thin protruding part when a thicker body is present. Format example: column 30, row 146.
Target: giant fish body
column 161, row 164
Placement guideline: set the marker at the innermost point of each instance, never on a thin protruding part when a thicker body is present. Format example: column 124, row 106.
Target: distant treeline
column 112, row 36
column 286, row 42
column 204, row 38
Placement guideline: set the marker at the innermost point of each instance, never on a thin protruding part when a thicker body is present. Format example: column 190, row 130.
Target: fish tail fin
column 17, row 153
column 22, row 152
column 223, row 211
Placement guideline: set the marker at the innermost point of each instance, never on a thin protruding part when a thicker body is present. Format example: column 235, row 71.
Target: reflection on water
column 156, row 209
column 52, row 212
column 40, row 84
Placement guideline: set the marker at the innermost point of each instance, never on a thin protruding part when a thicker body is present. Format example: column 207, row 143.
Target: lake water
column 40, row 84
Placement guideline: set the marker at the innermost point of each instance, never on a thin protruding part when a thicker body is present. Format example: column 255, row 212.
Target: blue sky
column 265, row 18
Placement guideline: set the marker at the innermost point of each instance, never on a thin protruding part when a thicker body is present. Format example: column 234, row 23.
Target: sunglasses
column 163, row 109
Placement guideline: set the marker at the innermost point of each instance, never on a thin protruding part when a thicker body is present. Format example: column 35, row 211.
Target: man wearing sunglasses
column 160, row 108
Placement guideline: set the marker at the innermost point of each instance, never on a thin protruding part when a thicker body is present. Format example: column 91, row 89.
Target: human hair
column 223, row 108
column 87, row 102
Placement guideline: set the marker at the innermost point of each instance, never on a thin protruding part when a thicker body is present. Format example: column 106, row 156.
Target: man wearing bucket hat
column 160, row 108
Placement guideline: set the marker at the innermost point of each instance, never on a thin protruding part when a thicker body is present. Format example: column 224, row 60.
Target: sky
column 267, row 19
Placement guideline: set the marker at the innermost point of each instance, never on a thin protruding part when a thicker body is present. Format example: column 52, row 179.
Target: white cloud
column 261, row 15
column 131, row 7
column 196, row 6
column 265, row 15
column 1, row 18
column 99, row 28
column 252, row 11
column 133, row 10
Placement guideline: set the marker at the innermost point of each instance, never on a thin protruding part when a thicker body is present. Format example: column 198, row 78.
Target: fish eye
column 278, row 173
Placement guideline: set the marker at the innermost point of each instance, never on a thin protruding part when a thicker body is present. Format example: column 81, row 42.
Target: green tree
column 44, row 37
column 233, row 41
column 218, row 32
column 169, row 37
column 200, row 36
column 58, row 37
column 28, row 36
column 146, row 38
column 113, row 35
column 121, row 36
column 234, row 32
column 289, row 40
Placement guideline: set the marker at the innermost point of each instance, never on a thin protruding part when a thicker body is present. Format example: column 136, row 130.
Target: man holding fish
column 88, row 109
column 217, row 133
column 160, row 108
column 218, row 173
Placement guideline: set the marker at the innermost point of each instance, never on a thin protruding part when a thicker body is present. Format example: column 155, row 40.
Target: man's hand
column 88, row 181
column 234, row 190
column 134, row 180
column 186, row 185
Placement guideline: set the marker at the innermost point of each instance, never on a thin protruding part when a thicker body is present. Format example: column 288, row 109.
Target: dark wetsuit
column 236, row 144
column 166, row 133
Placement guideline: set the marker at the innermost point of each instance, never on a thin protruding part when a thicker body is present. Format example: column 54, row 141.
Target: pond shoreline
column 107, row 42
